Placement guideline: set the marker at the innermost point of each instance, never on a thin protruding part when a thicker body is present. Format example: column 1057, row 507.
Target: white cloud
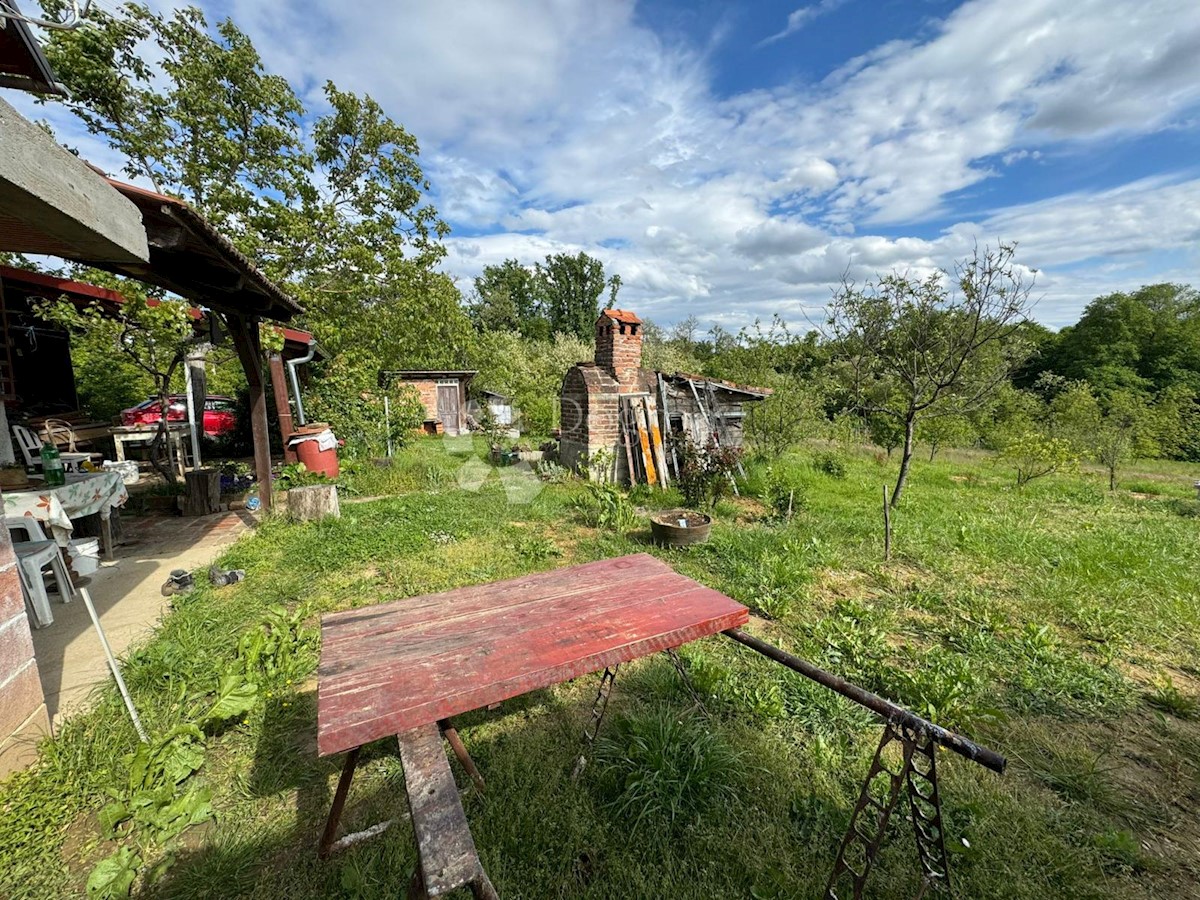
column 567, row 125
column 798, row 18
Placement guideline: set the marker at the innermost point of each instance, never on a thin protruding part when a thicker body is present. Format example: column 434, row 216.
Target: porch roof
column 191, row 258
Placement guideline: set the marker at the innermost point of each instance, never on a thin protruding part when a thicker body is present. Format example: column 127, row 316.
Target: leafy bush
column 659, row 766
column 830, row 464
column 605, row 506
column 1036, row 455
column 705, row 473
column 784, row 492
column 349, row 398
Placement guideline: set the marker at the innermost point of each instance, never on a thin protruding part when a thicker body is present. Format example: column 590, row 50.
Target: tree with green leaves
column 915, row 348
column 507, row 298
column 570, row 288
column 334, row 207
column 150, row 335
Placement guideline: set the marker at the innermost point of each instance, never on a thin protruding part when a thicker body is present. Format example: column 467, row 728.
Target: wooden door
column 448, row 407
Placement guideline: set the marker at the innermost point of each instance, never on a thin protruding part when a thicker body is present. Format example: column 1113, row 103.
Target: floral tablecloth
column 82, row 495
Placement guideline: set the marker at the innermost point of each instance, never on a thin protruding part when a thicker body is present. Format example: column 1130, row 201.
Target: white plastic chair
column 34, row 554
column 31, row 449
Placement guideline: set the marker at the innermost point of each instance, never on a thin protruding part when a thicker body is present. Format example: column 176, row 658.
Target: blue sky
column 733, row 160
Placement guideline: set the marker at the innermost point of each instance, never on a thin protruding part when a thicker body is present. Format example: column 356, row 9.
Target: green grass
column 1059, row 624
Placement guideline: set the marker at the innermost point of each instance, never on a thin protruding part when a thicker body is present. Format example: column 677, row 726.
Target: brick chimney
column 619, row 347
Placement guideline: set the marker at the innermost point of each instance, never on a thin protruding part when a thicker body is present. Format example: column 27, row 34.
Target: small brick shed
column 443, row 393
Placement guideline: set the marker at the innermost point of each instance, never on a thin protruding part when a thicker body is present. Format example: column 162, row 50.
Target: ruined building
column 593, row 394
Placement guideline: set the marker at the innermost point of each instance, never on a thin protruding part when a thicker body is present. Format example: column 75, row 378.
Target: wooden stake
column 887, row 526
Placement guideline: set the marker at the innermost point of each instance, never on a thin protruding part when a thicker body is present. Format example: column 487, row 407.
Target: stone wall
column 23, row 717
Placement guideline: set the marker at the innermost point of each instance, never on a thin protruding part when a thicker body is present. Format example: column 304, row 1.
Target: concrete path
column 128, row 597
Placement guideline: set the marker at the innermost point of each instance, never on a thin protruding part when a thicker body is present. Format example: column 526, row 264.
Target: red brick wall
column 619, row 350
column 427, row 390
column 23, row 718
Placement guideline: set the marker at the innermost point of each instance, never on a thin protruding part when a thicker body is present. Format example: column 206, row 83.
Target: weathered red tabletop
column 395, row 666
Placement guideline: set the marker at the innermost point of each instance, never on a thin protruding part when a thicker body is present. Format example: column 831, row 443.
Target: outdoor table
column 406, row 667
column 82, row 495
column 176, row 437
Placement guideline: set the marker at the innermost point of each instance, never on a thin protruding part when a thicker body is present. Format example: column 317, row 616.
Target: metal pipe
column 112, row 663
column 291, row 364
column 889, row 711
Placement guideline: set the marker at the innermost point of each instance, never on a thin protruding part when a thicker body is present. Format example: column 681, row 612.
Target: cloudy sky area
column 734, row 160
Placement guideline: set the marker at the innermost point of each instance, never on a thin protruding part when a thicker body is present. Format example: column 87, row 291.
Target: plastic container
column 84, row 556
column 128, row 470
column 316, row 447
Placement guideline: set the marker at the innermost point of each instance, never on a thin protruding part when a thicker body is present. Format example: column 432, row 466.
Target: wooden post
column 244, row 331
column 887, row 526
column 283, row 407
column 203, row 496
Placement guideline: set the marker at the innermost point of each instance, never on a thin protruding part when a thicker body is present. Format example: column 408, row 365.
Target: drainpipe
column 291, row 364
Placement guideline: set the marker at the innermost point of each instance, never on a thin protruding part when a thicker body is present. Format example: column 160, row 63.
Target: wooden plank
column 656, row 444
column 354, row 624
column 390, row 668
column 643, row 436
column 443, row 837
column 626, row 442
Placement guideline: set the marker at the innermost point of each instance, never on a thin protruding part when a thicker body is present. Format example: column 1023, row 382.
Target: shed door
column 447, row 406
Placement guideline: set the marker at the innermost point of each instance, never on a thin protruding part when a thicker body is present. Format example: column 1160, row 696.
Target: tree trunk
column 203, row 495
column 313, row 502
column 905, row 460
column 932, row 450
column 1112, row 478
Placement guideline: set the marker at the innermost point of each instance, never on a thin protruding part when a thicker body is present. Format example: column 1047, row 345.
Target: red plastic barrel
column 310, row 453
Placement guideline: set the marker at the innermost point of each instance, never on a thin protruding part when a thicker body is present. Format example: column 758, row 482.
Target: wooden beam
column 244, row 332
column 51, row 202
column 283, row 408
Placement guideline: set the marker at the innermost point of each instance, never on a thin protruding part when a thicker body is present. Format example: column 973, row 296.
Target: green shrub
column 605, row 506
column 784, row 492
column 830, row 464
column 705, row 472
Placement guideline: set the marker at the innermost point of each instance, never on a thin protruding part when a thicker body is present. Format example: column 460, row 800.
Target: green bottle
column 52, row 466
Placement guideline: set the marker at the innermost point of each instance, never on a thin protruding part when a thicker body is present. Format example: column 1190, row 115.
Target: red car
column 220, row 413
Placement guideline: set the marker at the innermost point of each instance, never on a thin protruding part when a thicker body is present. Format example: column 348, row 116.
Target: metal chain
column 592, row 729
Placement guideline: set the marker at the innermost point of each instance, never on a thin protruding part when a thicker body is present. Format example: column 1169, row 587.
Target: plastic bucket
column 84, row 556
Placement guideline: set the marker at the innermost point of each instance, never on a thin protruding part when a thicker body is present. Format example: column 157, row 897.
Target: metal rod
column 460, row 750
column 339, row 801
column 889, row 711
column 112, row 664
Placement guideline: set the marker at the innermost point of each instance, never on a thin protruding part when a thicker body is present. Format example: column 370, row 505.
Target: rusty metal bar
column 890, row 712
column 339, row 801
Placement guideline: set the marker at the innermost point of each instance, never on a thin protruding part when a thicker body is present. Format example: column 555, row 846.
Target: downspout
column 291, row 364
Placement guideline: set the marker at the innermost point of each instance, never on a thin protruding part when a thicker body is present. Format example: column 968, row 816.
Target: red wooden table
column 400, row 667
